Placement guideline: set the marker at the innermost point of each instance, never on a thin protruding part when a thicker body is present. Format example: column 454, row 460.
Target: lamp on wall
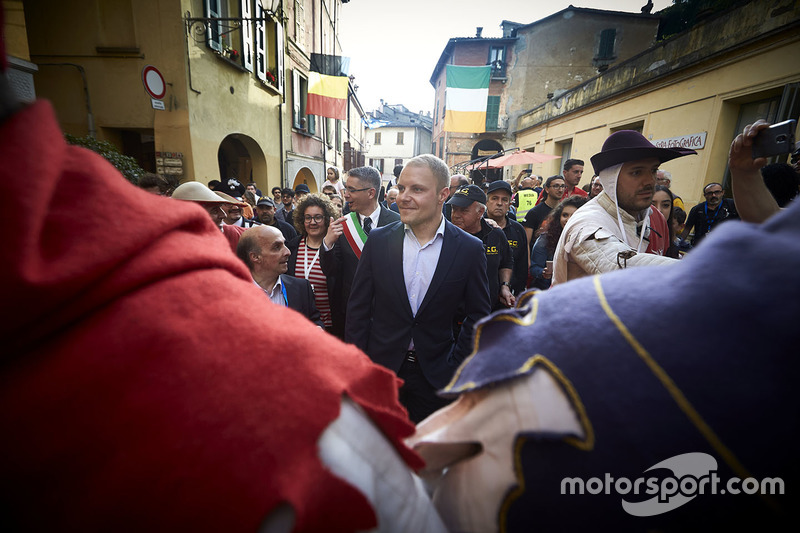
column 273, row 6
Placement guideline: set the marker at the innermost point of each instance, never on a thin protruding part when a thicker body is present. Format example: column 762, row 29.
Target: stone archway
column 240, row 157
column 304, row 175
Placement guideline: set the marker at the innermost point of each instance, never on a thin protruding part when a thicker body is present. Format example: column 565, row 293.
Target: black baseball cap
column 499, row 185
column 464, row 196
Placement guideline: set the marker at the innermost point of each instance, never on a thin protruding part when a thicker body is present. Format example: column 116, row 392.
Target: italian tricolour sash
column 354, row 233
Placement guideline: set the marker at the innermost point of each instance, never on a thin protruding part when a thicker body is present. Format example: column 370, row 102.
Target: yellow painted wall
column 251, row 109
column 15, row 35
column 193, row 123
column 706, row 99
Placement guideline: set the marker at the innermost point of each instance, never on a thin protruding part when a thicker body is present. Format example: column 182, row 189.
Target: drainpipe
column 280, row 125
column 89, row 114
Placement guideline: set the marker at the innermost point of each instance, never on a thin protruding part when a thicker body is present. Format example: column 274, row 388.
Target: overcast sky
column 395, row 44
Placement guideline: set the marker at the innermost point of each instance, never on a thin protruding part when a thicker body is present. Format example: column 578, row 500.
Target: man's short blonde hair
column 437, row 167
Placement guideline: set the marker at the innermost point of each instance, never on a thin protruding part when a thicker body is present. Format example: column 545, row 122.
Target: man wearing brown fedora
column 618, row 228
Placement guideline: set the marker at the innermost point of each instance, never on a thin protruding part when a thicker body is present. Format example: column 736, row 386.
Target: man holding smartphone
column 753, row 200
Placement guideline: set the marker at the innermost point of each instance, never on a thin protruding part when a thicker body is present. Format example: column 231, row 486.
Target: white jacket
column 600, row 237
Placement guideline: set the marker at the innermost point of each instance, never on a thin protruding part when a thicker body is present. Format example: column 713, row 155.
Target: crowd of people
column 183, row 371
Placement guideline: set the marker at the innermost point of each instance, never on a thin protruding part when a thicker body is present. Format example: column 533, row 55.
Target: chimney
column 478, row 32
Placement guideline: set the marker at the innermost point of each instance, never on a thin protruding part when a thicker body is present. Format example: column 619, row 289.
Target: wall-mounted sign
column 169, row 163
column 695, row 141
column 153, row 82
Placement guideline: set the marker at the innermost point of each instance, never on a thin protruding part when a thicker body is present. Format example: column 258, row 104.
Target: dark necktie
column 367, row 224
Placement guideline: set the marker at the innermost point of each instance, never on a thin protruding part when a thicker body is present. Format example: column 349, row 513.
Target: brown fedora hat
column 628, row 145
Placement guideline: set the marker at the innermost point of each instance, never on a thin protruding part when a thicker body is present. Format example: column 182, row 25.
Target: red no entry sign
column 153, row 82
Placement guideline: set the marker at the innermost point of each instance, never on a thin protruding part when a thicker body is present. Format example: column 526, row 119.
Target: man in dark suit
column 340, row 257
column 413, row 278
column 263, row 249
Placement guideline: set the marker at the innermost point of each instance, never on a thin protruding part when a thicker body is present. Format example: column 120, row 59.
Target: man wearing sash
column 341, row 256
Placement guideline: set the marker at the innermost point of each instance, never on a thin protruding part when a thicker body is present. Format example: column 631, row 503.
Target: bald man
column 263, row 250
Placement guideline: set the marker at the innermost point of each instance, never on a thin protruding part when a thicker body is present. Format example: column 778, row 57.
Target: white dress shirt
column 275, row 294
column 419, row 264
column 374, row 216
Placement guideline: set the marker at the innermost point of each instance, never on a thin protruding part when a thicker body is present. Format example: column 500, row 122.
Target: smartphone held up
column 776, row 140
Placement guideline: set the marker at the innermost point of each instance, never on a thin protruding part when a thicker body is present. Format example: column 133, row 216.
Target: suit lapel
column 395, row 268
column 450, row 246
column 385, row 217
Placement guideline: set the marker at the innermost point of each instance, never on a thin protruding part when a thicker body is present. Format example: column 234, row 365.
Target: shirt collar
column 270, row 291
column 439, row 230
column 374, row 216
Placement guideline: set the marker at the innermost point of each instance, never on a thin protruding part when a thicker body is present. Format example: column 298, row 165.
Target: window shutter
column 261, row 44
column 214, row 35
column 606, row 48
column 300, row 23
column 279, row 51
column 492, row 112
column 247, row 35
column 312, row 124
column 296, row 99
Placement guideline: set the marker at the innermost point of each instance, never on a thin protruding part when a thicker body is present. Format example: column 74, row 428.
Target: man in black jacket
column 263, row 250
column 341, row 256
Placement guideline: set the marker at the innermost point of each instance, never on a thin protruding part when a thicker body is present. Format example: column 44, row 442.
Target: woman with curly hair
column 312, row 218
column 545, row 247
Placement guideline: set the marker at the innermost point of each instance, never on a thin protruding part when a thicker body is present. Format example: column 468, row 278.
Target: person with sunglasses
column 706, row 215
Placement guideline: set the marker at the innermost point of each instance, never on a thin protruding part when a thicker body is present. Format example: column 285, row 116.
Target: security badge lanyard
column 711, row 221
column 285, row 298
column 306, row 265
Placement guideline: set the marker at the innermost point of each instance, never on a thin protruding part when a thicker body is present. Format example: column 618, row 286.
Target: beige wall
column 705, row 98
column 557, row 54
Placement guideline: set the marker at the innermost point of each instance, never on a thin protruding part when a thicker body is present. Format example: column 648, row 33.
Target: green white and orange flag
column 327, row 86
column 354, row 233
column 466, row 97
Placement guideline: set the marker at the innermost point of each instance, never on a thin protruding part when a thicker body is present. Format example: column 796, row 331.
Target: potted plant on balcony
column 271, row 77
column 228, row 51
